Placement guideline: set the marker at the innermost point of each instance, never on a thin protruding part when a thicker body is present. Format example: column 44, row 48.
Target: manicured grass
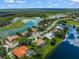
column 15, row 25
column 6, row 18
column 72, row 23
column 55, row 12
column 48, row 48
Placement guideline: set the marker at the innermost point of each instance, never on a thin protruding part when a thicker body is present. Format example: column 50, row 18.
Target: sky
column 9, row 4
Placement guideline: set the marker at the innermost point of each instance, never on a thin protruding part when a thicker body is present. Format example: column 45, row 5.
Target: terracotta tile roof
column 20, row 51
column 11, row 38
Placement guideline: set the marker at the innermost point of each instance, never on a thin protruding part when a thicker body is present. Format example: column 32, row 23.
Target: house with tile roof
column 24, row 33
column 39, row 42
column 12, row 38
column 20, row 51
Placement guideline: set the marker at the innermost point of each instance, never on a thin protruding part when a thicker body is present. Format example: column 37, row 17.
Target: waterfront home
column 20, row 51
column 12, row 38
column 49, row 35
column 39, row 42
column 56, row 30
column 60, row 26
column 24, row 33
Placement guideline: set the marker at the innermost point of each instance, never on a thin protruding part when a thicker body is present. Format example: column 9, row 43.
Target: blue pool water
column 65, row 50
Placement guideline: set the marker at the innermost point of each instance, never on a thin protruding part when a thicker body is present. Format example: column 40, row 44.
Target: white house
column 60, row 26
column 49, row 35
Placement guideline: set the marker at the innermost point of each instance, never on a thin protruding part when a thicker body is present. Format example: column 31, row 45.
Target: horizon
column 21, row 4
column 37, row 8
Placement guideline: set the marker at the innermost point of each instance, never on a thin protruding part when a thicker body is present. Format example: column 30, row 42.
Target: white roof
column 59, row 27
column 49, row 35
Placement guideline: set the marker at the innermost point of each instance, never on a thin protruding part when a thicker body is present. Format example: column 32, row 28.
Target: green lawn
column 48, row 48
column 6, row 18
column 15, row 25
column 54, row 13
column 72, row 23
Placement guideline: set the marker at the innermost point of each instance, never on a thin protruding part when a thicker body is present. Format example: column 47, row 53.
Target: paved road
column 52, row 25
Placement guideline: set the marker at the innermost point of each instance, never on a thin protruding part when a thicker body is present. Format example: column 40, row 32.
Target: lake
column 29, row 24
column 65, row 50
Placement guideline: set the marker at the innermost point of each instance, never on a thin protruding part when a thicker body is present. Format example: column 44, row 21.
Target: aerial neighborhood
column 36, row 37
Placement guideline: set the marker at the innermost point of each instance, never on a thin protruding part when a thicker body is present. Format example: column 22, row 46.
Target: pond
column 27, row 25
column 66, row 50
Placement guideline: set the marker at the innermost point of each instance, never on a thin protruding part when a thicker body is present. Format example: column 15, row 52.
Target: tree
column 25, row 41
column 60, row 34
column 65, row 30
column 62, row 22
column 53, row 41
column 38, row 53
column 2, row 51
column 7, row 57
column 29, row 30
column 19, row 34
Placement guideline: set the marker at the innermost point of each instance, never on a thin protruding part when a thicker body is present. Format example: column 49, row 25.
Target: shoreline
column 53, row 49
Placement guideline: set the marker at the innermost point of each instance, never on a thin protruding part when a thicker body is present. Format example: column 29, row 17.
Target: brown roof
column 34, row 30
column 11, row 38
column 56, row 30
column 20, row 51
column 24, row 33
column 39, row 42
